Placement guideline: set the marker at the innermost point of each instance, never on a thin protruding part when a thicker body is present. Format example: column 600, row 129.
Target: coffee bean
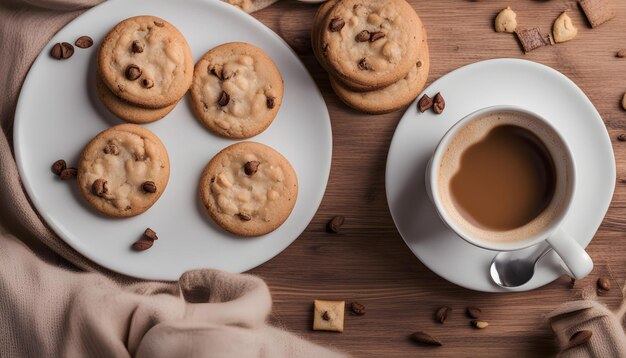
column 147, row 83
column 149, row 187
column 579, row 338
column 84, row 42
column 425, row 339
column 337, row 24
column 244, row 217
column 424, row 103
column 335, row 224
column 224, row 99
column 621, row 53
column 67, row 50
column 479, row 324
column 270, row 102
column 357, row 308
column 143, row 244
column 133, row 72
column 58, row 166
column 251, row 167
column 112, row 149
column 604, row 284
column 150, row 234
column 473, row 312
column 439, row 104
column 621, row 137
column 136, row 47
column 376, row 36
column 363, row 65
column 362, row 36
column 68, row 173
column 442, row 313
column 57, row 51
column 99, row 187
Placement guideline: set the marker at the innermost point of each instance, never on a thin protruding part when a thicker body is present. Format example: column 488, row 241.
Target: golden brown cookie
column 146, row 61
column 236, row 90
column 249, row 189
column 124, row 170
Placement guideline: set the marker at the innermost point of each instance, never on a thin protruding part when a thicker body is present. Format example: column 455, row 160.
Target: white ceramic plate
column 58, row 113
column 526, row 84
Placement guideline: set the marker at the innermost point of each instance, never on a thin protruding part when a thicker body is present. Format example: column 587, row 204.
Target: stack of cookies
column 375, row 52
column 145, row 67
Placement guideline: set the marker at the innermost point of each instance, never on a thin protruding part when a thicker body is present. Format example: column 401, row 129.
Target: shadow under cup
column 446, row 164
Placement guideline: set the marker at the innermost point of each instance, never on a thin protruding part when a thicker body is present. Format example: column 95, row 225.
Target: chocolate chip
column 424, row 103
column 99, row 187
column 68, row 173
column 425, row 339
column 336, row 24
column 362, row 36
column 357, row 308
column 133, row 72
column 224, row 99
column 251, row 167
column 149, row 187
column 473, row 312
column 58, row 166
column 621, row 137
column 418, row 64
column 150, row 234
column 479, row 324
column 143, row 244
column 363, row 65
column 111, row 148
column 334, row 225
column 579, row 338
column 326, row 316
column 57, row 51
column 136, row 47
column 147, row 83
column 621, row 53
column 244, row 217
column 604, row 284
column 376, row 36
column 439, row 104
column 442, row 313
column 216, row 70
column 84, row 42
column 270, row 102
column 159, row 23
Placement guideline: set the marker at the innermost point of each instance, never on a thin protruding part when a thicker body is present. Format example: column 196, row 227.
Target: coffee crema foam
column 475, row 131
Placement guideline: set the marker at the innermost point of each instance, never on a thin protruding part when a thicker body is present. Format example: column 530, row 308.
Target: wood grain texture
column 368, row 262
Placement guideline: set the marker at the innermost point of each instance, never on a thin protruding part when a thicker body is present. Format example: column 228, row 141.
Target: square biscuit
column 597, row 11
column 328, row 315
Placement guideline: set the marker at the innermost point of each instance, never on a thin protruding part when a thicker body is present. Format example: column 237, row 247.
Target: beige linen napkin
column 48, row 308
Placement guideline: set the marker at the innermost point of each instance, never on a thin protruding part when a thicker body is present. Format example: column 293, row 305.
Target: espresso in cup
column 501, row 178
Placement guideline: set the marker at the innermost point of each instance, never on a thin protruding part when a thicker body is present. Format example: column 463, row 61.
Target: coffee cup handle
column 573, row 255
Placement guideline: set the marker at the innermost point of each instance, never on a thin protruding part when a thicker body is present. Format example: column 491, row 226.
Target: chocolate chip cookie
column 236, row 90
column 123, row 171
column 146, row 61
column 249, row 189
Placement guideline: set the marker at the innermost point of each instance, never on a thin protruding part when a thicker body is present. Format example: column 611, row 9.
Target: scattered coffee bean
column 150, row 234
column 84, row 42
column 68, row 173
column 68, row 50
column 442, row 313
column 326, row 316
column 376, row 36
column 149, row 187
column 579, row 338
column 133, row 72
column 621, row 137
column 424, row 104
column 362, row 36
column 337, row 24
column 604, row 284
column 58, row 166
column 147, row 83
column 334, row 225
column 363, row 65
column 224, row 99
column 143, row 244
column 112, row 149
column 99, row 187
column 251, row 167
column 425, row 339
column 621, row 53
column 270, row 102
column 57, row 51
column 479, row 324
column 439, row 104
column 136, row 47
column 473, row 312
column 244, row 217
column 357, row 308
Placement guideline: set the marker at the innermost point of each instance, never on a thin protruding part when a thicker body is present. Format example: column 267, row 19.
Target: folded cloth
column 50, row 308
column 607, row 339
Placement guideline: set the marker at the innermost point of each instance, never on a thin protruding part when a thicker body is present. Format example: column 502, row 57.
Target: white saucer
column 58, row 113
column 527, row 84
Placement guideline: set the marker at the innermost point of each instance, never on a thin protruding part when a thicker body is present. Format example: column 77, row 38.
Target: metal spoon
column 512, row 269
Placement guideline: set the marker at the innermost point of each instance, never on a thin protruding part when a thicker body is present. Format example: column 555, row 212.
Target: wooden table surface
column 368, row 262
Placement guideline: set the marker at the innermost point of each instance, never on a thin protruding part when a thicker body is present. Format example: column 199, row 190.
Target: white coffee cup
column 549, row 230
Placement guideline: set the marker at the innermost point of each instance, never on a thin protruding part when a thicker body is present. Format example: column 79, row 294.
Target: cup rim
column 498, row 246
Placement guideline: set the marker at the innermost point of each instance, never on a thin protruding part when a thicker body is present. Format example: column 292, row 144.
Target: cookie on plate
column 394, row 96
column 236, row 90
column 123, row 171
column 128, row 111
column 249, row 189
column 372, row 43
column 146, row 61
